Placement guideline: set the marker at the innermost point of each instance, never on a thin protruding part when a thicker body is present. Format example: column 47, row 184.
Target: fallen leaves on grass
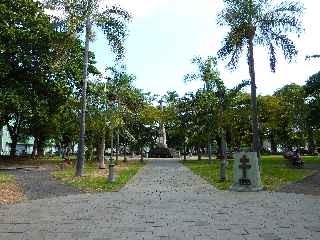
column 10, row 193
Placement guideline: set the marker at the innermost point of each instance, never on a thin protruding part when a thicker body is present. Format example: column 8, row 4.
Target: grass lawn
column 311, row 159
column 275, row 173
column 9, row 191
column 95, row 179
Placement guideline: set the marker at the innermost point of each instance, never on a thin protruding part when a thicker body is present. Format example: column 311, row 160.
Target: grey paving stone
column 165, row 200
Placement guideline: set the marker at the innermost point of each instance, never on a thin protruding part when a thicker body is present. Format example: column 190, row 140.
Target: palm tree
column 259, row 22
column 87, row 14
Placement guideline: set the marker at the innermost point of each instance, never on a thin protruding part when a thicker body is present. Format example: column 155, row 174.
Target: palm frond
column 115, row 28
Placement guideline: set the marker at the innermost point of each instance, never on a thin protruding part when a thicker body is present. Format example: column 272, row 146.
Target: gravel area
column 36, row 183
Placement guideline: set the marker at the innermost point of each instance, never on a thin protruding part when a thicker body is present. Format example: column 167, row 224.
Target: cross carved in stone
column 244, row 166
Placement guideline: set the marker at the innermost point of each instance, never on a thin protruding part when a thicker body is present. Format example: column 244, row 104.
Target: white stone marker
column 246, row 174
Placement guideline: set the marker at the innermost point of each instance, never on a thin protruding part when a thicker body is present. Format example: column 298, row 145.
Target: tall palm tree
column 84, row 15
column 259, row 22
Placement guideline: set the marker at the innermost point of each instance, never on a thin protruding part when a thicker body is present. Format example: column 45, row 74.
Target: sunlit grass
column 95, row 180
column 7, row 178
column 275, row 172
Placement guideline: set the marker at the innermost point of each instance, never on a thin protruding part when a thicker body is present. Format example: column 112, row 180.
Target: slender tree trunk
column 111, row 146
column 14, row 133
column 67, row 154
column 1, row 133
column 125, row 159
column 199, row 153
column 63, row 155
column 117, row 146
column 35, row 148
column 210, row 151
column 141, row 154
column 184, row 151
column 101, row 148
column 311, row 140
column 223, row 163
column 273, row 142
column 14, row 142
column 111, row 176
column 40, row 146
column 81, row 152
column 254, row 116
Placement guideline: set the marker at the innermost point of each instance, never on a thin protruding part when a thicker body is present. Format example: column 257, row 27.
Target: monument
column 246, row 173
column 161, row 150
column 162, row 139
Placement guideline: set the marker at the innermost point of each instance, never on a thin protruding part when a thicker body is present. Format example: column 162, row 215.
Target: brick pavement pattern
column 165, row 201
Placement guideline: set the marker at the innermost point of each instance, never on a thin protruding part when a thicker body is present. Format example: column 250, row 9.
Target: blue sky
column 166, row 34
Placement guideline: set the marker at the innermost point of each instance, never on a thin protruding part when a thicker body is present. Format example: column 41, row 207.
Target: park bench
column 294, row 159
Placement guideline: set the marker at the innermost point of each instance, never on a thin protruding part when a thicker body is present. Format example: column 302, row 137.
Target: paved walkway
column 165, row 201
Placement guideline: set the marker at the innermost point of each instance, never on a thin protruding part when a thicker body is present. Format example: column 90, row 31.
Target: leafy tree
column 207, row 73
column 259, row 22
column 215, row 86
column 312, row 91
column 141, row 123
column 84, row 14
column 292, row 129
column 269, row 114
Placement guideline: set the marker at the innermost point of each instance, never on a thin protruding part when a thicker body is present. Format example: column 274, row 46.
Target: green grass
column 95, row 180
column 311, row 159
column 7, row 178
column 275, row 173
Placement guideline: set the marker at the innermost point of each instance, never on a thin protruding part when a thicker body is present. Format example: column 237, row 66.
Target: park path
column 166, row 175
column 165, row 201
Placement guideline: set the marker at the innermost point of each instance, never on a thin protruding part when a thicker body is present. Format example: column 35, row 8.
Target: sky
column 166, row 34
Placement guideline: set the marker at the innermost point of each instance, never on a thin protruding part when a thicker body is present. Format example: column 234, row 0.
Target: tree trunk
column 273, row 142
column 35, row 148
column 40, row 146
column 111, row 146
column 184, row 151
column 100, row 152
column 125, row 159
column 1, row 133
column 14, row 133
column 311, row 141
column 141, row 154
column 14, row 142
column 210, row 151
column 80, row 159
column 117, row 146
column 223, row 163
column 199, row 153
column 254, row 116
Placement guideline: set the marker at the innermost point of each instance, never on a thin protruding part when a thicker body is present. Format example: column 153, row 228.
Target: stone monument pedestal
column 246, row 173
column 160, row 151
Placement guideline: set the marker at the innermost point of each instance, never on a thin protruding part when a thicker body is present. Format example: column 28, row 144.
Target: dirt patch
column 10, row 193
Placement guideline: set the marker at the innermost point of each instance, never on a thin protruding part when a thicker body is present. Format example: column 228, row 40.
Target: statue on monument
column 161, row 149
column 162, row 139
